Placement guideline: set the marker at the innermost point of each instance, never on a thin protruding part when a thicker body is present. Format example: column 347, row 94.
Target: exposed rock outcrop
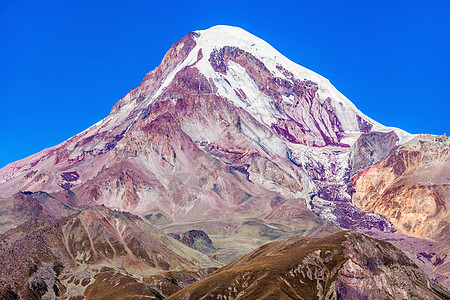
column 370, row 148
column 196, row 239
column 411, row 187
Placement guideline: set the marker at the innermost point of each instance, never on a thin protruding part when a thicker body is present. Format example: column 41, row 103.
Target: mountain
column 223, row 122
column 230, row 145
column 345, row 265
column 90, row 253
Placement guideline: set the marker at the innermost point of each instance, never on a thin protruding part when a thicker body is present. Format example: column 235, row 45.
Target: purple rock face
column 370, row 148
column 431, row 257
column 363, row 125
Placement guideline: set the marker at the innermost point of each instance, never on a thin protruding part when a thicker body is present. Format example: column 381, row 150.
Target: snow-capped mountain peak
column 210, row 43
column 228, row 130
column 296, row 104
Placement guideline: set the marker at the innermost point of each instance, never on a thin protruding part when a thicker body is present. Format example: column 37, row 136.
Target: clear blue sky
column 63, row 64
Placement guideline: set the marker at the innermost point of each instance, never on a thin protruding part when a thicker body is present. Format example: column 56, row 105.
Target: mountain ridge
column 229, row 137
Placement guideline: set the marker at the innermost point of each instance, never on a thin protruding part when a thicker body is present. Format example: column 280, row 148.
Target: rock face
column 411, row 188
column 196, row 239
column 229, row 137
column 370, row 148
column 346, row 265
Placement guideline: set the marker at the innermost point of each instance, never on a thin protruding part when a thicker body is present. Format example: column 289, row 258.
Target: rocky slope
column 25, row 206
column 411, row 187
column 346, row 265
column 93, row 252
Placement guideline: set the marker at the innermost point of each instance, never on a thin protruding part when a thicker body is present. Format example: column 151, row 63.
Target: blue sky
column 63, row 64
